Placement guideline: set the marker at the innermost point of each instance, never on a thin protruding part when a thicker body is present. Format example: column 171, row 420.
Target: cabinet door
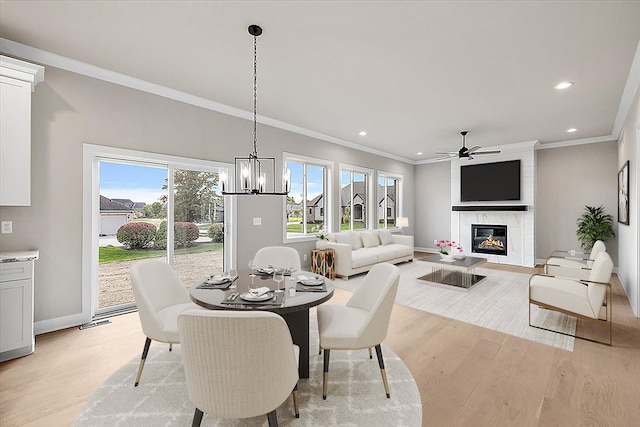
column 15, row 142
column 16, row 315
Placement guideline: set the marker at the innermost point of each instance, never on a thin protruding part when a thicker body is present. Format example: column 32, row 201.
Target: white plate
column 312, row 282
column 250, row 297
column 217, row 280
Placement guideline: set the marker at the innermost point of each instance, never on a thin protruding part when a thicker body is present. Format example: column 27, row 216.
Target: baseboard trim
column 55, row 324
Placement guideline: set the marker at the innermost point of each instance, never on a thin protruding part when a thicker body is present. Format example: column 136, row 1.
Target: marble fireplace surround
column 519, row 216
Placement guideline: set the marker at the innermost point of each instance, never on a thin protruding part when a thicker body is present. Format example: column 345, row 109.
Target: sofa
column 357, row 251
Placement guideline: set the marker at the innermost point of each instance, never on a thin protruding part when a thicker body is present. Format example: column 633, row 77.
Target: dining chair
column 161, row 298
column 278, row 257
column 363, row 321
column 238, row 364
column 576, row 265
column 583, row 299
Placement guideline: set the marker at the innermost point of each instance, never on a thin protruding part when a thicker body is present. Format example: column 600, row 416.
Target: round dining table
column 294, row 309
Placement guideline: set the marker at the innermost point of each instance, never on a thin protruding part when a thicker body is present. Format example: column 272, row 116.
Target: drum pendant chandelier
column 256, row 175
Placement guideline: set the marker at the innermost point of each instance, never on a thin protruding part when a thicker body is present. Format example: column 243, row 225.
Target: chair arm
column 343, row 255
column 402, row 239
column 560, row 254
column 586, row 282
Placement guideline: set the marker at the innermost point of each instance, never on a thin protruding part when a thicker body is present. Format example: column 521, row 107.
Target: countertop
column 19, row 256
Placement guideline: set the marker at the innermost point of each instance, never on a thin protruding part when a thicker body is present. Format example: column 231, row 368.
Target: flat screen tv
column 490, row 182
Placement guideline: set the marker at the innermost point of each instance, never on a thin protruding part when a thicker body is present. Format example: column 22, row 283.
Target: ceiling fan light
column 570, row 130
column 563, row 85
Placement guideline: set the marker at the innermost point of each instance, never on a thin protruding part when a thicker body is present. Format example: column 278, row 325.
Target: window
column 387, row 200
column 309, row 197
column 354, row 197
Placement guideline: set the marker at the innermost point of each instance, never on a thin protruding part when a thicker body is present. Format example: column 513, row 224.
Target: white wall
column 433, row 204
column 628, row 235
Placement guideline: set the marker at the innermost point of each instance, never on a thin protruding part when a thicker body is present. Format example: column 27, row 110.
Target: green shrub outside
column 216, row 232
column 183, row 234
column 136, row 235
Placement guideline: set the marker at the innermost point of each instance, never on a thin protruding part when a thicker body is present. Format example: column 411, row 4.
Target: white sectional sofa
column 358, row 251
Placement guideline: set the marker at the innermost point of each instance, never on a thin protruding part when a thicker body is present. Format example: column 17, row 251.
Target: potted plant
column 448, row 249
column 594, row 224
column 323, row 238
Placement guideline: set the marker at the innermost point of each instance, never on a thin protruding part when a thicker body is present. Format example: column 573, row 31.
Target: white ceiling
column 411, row 74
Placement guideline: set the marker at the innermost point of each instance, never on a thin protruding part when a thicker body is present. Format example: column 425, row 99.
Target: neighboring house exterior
column 114, row 214
column 315, row 209
column 138, row 207
column 390, row 213
column 358, row 204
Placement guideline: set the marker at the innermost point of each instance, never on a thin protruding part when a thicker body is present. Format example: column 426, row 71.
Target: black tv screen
column 490, row 182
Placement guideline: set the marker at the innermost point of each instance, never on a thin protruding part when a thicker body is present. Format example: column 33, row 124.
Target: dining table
column 293, row 306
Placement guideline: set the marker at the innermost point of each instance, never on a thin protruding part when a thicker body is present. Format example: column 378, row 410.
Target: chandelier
column 253, row 174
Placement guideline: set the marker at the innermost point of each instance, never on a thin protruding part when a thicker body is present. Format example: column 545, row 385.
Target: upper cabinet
column 17, row 80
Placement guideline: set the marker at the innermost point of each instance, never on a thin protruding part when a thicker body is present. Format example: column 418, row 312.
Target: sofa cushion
column 362, row 257
column 356, row 241
column 400, row 250
column 369, row 239
column 385, row 237
column 344, row 237
column 383, row 253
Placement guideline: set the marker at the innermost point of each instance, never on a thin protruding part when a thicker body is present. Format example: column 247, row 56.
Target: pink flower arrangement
column 446, row 246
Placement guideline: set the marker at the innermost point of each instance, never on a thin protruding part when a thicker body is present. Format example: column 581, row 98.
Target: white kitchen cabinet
column 16, row 309
column 17, row 80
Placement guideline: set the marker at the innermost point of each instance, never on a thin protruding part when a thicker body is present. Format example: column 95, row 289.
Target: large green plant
column 594, row 224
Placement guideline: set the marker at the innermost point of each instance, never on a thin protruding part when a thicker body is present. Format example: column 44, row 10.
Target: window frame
column 370, row 202
column 399, row 199
column 328, row 195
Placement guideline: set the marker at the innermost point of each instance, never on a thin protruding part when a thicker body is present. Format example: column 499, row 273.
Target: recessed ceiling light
column 572, row 130
column 419, row 153
column 563, row 85
column 362, row 133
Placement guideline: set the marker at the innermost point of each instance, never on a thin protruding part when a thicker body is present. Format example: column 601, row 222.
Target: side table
column 322, row 262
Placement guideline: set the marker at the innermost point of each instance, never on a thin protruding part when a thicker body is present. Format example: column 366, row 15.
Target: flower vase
column 321, row 244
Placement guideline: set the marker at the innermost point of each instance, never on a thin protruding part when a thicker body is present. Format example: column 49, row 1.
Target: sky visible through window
column 133, row 182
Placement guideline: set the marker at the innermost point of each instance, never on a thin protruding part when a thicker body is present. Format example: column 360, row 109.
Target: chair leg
column 197, row 418
column 296, row 403
column 147, row 343
column 170, row 346
column 272, row 418
column 382, row 371
column 370, row 355
column 325, row 377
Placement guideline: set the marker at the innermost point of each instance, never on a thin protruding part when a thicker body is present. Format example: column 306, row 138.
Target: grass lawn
column 111, row 254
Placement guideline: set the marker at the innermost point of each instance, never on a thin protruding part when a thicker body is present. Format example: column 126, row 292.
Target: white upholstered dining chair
column 583, row 299
column 278, row 257
column 161, row 298
column 575, row 265
column 364, row 320
column 238, row 364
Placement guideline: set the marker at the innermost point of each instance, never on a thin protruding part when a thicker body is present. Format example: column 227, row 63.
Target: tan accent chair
column 363, row 321
column 576, row 265
column 238, row 364
column 278, row 257
column 580, row 298
column 161, row 298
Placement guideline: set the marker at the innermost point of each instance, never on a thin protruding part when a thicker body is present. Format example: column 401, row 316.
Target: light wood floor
column 467, row 376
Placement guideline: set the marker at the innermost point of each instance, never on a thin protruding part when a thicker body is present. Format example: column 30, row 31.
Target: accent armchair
column 583, row 299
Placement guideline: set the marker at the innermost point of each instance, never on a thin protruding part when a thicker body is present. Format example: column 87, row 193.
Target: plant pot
column 321, row 244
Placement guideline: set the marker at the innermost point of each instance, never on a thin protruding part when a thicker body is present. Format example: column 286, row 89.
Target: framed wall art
column 623, row 194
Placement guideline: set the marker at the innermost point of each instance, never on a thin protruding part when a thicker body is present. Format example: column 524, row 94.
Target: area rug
column 499, row 302
column 355, row 396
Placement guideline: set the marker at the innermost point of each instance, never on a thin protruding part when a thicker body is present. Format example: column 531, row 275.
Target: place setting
column 222, row 281
column 310, row 283
column 258, row 296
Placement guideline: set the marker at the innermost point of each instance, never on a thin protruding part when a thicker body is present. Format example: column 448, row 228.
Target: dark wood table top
column 213, row 298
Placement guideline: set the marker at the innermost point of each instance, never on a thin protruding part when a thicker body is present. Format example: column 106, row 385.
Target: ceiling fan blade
column 473, row 149
column 487, row 152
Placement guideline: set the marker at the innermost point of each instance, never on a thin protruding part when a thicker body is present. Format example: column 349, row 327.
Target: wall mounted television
column 490, row 182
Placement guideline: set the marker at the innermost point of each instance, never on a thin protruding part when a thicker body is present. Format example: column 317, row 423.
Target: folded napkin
column 302, row 277
column 259, row 291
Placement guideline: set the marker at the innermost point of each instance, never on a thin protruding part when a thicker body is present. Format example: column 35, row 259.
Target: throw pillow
column 385, row 237
column 356, row 241
column 344, row 237
column 369, row 239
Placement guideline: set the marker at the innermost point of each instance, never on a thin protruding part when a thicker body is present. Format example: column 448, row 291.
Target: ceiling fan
column 465, row 152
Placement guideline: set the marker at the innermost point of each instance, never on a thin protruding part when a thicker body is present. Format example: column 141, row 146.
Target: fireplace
column 489, row 239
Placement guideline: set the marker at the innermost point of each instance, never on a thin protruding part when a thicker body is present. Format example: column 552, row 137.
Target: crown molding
column 25, row 71
column 68, row 64
column 628, row 94
column 570, row 143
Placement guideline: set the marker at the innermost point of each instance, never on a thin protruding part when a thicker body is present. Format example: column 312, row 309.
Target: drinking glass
column 278, row 277
column 252, row 266
column 233, row 274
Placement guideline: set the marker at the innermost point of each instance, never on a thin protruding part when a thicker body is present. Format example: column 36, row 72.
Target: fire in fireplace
column 489, row 239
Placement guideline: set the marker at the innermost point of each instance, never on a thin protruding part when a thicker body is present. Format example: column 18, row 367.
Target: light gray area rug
column 355, row 396
column 499, row 302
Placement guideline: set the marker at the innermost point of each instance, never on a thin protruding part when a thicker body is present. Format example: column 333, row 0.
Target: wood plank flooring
column 466, row 375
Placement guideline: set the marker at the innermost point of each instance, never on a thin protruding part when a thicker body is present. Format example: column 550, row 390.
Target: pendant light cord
column 255, row 95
